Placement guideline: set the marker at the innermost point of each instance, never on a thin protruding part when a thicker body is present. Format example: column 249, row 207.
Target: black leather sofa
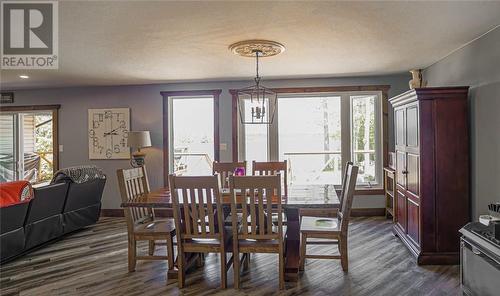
column 55, row 210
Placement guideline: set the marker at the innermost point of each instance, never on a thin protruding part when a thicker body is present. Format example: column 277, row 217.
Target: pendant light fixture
column 256, row 103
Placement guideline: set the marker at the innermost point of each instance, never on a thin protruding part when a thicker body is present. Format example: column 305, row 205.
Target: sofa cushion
column 44, row 230
column 13, row 217
column 49, row 201
column 81, row 217
column 84, row 194
column 11, row 244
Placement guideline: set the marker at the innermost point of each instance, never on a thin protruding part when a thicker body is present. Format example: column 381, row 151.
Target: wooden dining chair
column 226, row 169
column 199, row 221
column 342, row 186
column 256, row 233
column 269, row 168
column 142, row 224
column 331, row 230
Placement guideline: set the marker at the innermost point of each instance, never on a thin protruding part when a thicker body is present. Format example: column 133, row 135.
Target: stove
column 488, row 233
column 480, row 259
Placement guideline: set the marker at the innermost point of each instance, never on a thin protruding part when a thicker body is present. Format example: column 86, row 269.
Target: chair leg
column 246, row 263
column 236, row 268
column 303, row 247
column 281, row 268
column 343, row 253
column 200, row 260
column 170, row 253
column 223, row 271
column 181, row 277
column 131, row 254
column 151, row 249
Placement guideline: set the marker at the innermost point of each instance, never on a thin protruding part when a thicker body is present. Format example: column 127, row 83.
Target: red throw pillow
column 12, row 193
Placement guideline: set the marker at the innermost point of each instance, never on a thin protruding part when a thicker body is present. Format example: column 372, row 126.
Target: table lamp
column 138, row 140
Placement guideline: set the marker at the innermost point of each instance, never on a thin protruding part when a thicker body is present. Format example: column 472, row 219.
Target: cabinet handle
column 404, row 172
column 476, row 251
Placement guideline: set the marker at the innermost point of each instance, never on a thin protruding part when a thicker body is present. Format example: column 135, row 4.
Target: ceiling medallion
column 248, row 48
column 257, row 103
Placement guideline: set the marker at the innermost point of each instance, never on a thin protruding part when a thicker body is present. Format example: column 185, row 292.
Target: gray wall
column 478, row 66
column 145, row 103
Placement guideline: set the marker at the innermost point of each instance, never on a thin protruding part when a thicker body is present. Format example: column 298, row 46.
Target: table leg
column 292, row 251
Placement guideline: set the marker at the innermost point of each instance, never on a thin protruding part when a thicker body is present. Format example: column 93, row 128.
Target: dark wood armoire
column 432, row 171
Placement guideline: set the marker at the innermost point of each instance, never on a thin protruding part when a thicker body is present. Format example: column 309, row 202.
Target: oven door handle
column 478, row 252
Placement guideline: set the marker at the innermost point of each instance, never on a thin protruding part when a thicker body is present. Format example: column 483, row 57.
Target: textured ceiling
column 139, row 42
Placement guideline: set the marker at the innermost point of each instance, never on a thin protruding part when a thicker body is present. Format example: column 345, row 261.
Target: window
column 256, row 143
column 364, row 138
column 309, row 138
column 317, row 133
column 27, row 144
column 192, row 124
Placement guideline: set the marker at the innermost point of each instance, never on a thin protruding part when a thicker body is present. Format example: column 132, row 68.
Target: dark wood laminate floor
column 94, row 262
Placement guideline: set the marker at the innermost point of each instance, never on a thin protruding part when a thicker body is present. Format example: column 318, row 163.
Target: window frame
column 168, row 97
column 345, row 92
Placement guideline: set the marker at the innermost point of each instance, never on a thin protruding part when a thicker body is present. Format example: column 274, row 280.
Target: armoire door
column 412, row 130
column 413, row 150
column 401, row 210
column 413, row 221
column 401, row 169
column 413, row 173
column 400, row 127
column 400, row 141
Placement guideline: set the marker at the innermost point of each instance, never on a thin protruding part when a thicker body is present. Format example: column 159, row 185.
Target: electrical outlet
column 61, row 148
column 223, row 146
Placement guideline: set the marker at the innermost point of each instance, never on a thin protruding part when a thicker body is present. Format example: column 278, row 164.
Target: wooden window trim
column 55, row 126
column 215, row 93
column 384, row 89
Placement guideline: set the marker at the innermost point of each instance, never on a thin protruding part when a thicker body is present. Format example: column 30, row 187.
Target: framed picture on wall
column 108, row 131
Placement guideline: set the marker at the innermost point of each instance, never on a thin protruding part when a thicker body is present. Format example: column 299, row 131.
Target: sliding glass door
column 8, row 153
column 27, row 146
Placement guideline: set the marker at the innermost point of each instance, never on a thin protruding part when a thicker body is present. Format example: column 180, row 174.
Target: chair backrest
column 258, row 197
column 347, row 196
column 195, row 200
column 133, row 183
column 344, row 178
column 270, row 168
column 226, row 169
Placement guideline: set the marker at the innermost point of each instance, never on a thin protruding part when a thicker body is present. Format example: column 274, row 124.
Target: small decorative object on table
column 239, row 171
column 139, row 139
column 417, row 79
column 494, row 210
column 494, row 214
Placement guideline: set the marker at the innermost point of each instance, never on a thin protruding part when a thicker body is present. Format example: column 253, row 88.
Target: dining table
column 295, row 205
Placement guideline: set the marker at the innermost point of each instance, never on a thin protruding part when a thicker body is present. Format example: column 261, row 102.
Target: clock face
column 108, row 131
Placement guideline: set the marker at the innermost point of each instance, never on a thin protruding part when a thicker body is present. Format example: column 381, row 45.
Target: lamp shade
column 139, row 139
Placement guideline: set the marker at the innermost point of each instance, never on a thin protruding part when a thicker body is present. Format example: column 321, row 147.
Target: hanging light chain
column 257, row 77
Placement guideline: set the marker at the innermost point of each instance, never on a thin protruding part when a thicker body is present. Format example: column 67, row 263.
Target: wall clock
column 108, row 131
